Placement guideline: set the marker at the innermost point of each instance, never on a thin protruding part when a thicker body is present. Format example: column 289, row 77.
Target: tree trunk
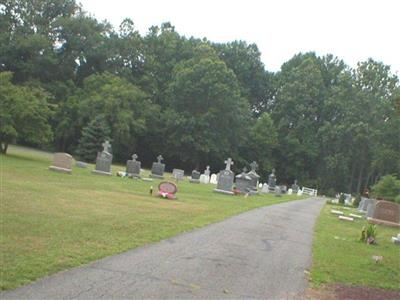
column 3, row 147
column 360, row 178
column 351, row 179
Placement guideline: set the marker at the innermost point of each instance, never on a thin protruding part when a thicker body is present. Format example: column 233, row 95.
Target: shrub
column 388, row 188
column 368, row 234
column 357, row 200
column 397, row 199
column 341, row 198
column 330, row 193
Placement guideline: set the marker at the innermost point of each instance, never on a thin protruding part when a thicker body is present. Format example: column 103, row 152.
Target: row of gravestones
column 380, row 211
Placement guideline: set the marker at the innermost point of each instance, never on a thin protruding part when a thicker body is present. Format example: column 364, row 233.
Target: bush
column 331, row 193
column 341, row 198
column 357, row 200
column 388, row 188
column 397, row 199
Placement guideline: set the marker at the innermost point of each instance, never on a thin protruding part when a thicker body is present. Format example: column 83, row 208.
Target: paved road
column 259, row 254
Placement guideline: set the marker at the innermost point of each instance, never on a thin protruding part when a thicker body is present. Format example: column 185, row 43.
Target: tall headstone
column 295, row 187
column 225, row 180
column 62, row 162
column 243, row 182
column 195, row 178
column 157, row 169
column 205, row 178
column 272, row 181
column 386, row 213
column 133, row 167
column 178, row 174
column 254, row 176
column 104, row 160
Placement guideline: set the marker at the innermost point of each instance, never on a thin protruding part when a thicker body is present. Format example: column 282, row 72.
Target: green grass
column 345, row 259
column 52, row 221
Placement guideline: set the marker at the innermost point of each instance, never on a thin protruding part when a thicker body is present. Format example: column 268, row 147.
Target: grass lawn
column 52, row 221
column 345, row 259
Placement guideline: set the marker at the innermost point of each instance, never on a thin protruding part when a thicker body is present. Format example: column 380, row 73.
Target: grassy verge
column 52, row 221
column 339, row 256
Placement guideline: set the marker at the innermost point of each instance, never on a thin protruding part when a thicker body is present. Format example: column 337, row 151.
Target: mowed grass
column 52, row 221
column 339, row 256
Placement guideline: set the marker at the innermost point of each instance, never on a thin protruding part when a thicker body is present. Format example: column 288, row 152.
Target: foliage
column 341, row 198
column 357, row 200
column 24, row 113
column 93, row 135
column 388, row 188
column 368, row 234
column 397, row 199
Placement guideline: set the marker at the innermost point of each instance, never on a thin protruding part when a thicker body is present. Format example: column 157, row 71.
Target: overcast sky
column 353, row 30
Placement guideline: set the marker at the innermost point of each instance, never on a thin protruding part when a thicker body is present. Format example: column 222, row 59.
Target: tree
column 207, row 116
column 93, row 135
column 24, row 114
column 388, row 188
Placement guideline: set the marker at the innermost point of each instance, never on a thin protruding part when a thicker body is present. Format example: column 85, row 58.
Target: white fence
column 309, row 191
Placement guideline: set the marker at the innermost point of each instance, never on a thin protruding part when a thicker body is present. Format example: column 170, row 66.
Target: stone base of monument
column 194, row 180
column 61, row 170
column 224, row 192
column 101, row 172
column 156, row 176
column 383, row 222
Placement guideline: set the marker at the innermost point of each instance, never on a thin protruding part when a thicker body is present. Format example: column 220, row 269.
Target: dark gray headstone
column 195, row 178
column 225, row 179
column 254, row 176
column 243, row 182
column 370, row 210
column 157, row 170
column 366, row 202
column 133, row 167
column 104, row 160
column 272, row 181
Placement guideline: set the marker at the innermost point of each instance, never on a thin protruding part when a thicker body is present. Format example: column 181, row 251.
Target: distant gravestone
column 254, row 176
column 213, row 179
column 206, row 178
column 81, row 164
column 178, row 174
column 225, row 180
column 157, row 169
column 195, row 178
column 366, row 202
column 299, row 192
column 386, row 213
column 272, row 181
column 290, row 192
column 361, row 204
column 133, row 167
column 104, row 160
column 62, row 162
column 295, row 187
column 265, row 189
column 370, row 210
column 243, row 182
column 283, row 189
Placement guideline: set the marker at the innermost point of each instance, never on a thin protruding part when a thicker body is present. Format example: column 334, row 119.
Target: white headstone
column 213, row 179
column 299, row 192
column 260, row 185
column 203, row 179
column 265, row 189
column 290, row 191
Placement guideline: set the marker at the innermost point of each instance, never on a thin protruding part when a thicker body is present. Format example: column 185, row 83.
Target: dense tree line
column 67, row 79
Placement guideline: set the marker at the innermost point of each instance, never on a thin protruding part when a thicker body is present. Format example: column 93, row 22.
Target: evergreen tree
column 93, row 135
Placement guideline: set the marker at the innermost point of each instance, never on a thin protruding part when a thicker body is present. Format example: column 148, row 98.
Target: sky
column 352, row 30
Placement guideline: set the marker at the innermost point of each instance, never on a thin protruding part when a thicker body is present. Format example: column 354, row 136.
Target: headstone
column 295, row 187
column 344, row 218
column 104, row 160
column 213, row 179
column 178, row 174
column 272, row 181
column 225, row 180
column 195, row 177
column 133, row 167
column 206, row 178
column 265, row 189
column 243, row 182
column 366, row 202
column 203, row 179
column 167, row 190
column 361, row 204
column 62, row 162
column 81, row 164
column 386, row 213
column 157, row 169
column 347, row 199
column 283, row 189
column 290, row 191
column 299, row 192
column 260, row 185
column 254, row 176
column 370, row 210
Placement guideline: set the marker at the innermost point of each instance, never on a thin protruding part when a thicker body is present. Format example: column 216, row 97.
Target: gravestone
column 272, row 181
column 104, row 160
column 167, row 190
column 243, row 182
column 178, row 174
column 283, row 189
column 290, row 191
column 62, row 162
column 299, row 192
column 254, row 176
column 213, row 179
column 370, row 210
column 195, row 178
column 157, row 169
column 206, row 178
column 386, row 213
column 366, row 202
column 133, row 167
column 265, row 189
column 225, row 180
column 361, row 204
column 81, row 164
column 295, row 187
